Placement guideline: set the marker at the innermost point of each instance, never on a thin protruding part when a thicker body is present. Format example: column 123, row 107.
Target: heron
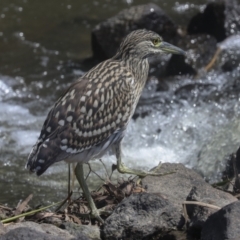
column 92, row 115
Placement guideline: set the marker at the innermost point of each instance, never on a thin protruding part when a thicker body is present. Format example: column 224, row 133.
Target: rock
column 223, row 224
column 228, row 57
column 198, row 45
column 188, row 91
column 2, row 229
column 107, row 36
column 236, row 166
column 198, row 214
column 178, row 66
column 219, row 19
column 222, row 21
column 232, row 17
column 195, row 45
column 141, row 216
column 231, row 172
column 92, row 232
column 31, row 230
column 177, row 186
column 211, row 21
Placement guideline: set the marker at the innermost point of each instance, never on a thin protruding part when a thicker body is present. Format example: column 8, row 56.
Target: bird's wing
column 89, row 112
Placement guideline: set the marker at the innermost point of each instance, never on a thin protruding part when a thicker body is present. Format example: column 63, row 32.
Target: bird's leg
column 123, row 169
column 73, row 176
column 80, row 177
column 69, row 178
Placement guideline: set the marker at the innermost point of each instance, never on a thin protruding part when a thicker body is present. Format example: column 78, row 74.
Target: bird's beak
column 169, row 48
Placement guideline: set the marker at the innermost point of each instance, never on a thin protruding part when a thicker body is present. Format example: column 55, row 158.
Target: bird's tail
column 42, row 156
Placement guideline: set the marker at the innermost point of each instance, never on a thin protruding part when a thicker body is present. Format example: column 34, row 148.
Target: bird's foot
column 96, row 213
column 154, row 172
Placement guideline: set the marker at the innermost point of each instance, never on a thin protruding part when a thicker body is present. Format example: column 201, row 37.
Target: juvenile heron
column 93, row 114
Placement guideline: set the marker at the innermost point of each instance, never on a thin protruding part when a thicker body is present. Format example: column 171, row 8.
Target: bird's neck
column 139, row 67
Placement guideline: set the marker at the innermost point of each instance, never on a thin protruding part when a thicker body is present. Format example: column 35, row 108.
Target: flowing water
column 195, row 122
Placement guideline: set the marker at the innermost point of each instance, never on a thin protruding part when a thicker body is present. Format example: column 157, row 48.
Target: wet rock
column 211, row 21
column 219, row 19
column 200, row 49
column 232, row 17
column 178, row 66
column 177, row 186
column 107, row 36
column 223, row 224
column 141, row 216
column 194, row 90
column 31, row 230
column 229, row 56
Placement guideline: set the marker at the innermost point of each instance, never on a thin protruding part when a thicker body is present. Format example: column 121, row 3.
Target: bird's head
column 143, row 44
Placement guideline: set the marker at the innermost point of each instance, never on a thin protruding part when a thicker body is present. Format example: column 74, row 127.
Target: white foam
column 197, row 133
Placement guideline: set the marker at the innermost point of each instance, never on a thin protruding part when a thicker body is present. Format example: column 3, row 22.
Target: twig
column 22, row 206
column 104, row 167
column 95, row 172
column 114, row 167
column 90, row 170
column 28, row 213
column 202, row 204
column 64, row 201
column 196, row 203
column 5, row 208
column 213, row 60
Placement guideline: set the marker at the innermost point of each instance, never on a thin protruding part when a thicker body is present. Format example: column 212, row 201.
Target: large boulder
column 219, row 19
column 186, row 184
column 210, row 21
column 177, row 186
column 160, row 210
column 140, row 217
column 107, row 35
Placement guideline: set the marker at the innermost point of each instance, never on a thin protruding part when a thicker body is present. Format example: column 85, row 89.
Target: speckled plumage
column 92, row 115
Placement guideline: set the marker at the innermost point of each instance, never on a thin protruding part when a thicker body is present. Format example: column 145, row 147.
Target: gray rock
column 196, row 45
column 31, row 230
column 229, row 57
column 219, row 19
column 232, row 17
column 107, row 36
column 198, row 214
column 223, row 224
column 140, row 217
column 92, row 232
column 2, row 229
column 210, row 21
column 177, row 186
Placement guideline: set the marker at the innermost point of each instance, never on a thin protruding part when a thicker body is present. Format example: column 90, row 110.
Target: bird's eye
column 156, row 41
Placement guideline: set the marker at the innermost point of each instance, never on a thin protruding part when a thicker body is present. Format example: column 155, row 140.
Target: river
column 41, row 45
